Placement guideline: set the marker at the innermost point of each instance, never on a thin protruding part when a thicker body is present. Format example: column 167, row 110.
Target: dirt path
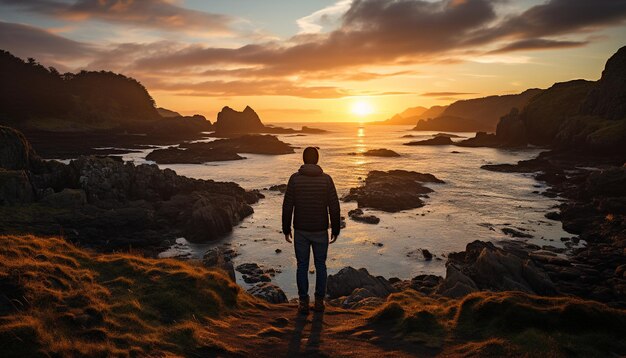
column 279, row 331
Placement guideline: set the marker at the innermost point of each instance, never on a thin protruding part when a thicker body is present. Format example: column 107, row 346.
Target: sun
column 362, row 108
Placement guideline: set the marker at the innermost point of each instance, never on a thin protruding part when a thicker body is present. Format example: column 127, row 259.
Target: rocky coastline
column 106, row 203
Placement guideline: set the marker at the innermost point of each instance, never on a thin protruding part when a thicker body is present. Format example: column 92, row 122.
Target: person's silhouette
column 310, row 199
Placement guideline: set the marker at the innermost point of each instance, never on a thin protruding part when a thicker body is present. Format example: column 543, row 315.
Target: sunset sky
column 323, row 60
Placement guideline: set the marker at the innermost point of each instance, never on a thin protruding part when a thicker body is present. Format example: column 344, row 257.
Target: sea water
column 473, row 204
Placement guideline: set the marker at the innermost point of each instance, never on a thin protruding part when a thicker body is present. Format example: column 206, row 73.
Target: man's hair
column 310, row 155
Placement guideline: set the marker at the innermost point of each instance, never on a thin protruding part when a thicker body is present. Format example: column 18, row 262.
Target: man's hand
column 288, row 238
column 333, row 238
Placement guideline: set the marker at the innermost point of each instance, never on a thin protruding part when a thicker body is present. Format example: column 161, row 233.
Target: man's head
column 310, row 155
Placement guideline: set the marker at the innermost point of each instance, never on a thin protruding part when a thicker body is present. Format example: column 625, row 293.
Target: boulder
column 482, row 266
column 279, row 187
column 358, row 215
column 392, row 191
column 268, row 292
column 15, row 151
column 15, row 187
column 348, row 279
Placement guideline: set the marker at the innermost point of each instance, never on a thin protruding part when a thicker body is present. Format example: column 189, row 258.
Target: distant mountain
column 410, row 116
column 168, row 113
column 478, row 114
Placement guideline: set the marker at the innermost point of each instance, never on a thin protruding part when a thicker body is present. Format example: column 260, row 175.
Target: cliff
column 478, row 114
column 578, row 115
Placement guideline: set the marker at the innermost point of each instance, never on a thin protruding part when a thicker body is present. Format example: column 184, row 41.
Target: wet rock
column 448, row 135
column 423, row 253
column 358, row 215
column 382, row 152
column 175, row 155
column 392, row 191
column 220, row 150
column 251, row 269
column 439, row 140
column 553, row 215
column 252, row 273
column 348, row 279
column 268, row 292
column 279, row 187
column 515, row 233
column 481, row 139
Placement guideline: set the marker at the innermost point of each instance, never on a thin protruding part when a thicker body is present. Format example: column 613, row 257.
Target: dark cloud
column 371, row 33
column 160, row 14
column 28, row 41
column 274, row 87
column 411, row 31
column 446, row 94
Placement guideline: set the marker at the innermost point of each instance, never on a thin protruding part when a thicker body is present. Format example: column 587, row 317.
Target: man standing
column 311, row 198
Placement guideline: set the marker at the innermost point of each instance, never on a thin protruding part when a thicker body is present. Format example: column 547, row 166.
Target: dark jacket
column 311, row 197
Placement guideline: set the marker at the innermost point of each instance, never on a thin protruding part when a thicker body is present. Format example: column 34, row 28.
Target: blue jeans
column 303, row 242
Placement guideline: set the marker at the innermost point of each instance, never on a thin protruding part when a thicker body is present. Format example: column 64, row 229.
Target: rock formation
column 107, row 203
column 220, row 150
column 231, row 122
column 392, row 191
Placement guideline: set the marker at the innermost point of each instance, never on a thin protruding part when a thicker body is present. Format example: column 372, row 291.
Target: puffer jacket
column 311, row 198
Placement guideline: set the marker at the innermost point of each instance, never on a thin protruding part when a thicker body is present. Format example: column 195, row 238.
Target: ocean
column 473, row 204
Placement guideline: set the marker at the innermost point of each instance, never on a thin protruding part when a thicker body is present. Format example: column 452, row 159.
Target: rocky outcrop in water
column 382, row 152
column 438, row 140
column 107, row 203
column 220, row 150
column 392, row 191
column 230, row 121
column 359, row 215
column 233, row 123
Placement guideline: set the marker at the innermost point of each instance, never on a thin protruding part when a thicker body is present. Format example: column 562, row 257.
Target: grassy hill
column 60, row 300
